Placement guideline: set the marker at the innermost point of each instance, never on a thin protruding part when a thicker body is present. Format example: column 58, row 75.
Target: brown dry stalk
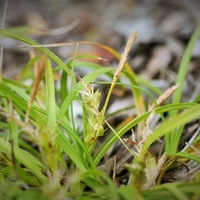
column 157, row 171
column 122, row 61
column 161, row 99
column 125, row 54
column 40, row 68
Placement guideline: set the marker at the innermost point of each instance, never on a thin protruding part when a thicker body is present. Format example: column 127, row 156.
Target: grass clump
column 45, row 155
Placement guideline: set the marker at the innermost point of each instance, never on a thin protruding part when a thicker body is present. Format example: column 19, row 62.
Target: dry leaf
column 39, row 68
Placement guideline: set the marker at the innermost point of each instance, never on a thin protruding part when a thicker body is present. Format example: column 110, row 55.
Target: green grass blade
column 176, row 192
column 11, row 82
column 14, row 131
column 148, row 84
column 113, row 138
column 16, row 36
column 129, row 193
column 171, row 107
column 197, row 99
column 191, row 190
column 140, row 106
column 173, row 139
column 171, row 124
column 79, row 87
column 65, row 144
column 131, row 86
column 63, row 86
column 79, row 148
column 33, row 164
column 20, row 100
column 50, row 97
column 187, row 155
column 184, row 66
column 136, row 93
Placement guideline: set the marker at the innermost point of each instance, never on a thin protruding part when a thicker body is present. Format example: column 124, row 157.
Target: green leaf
column 172, row 139
column 32, row 163
column 171, row 124
column 19, row 37
column 187, row 155
column 78, row 87
column 50, row 97
column 129, row 193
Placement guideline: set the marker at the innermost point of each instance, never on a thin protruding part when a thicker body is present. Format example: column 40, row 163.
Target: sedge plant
column 45, row 155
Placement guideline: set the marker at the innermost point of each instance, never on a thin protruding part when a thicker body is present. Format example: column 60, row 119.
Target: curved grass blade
column 111, row 140
column 169, row 125
column 11, row 34
column 32, row 163
column 172, row 139
column 187, row 155
column 137, row 95
column 78, row 87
